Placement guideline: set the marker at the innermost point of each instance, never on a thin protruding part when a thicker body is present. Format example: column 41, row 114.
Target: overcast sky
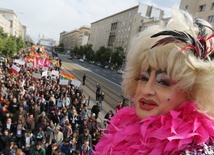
column 50, row 17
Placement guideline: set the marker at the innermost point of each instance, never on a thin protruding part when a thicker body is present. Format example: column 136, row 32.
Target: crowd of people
column 40, row 116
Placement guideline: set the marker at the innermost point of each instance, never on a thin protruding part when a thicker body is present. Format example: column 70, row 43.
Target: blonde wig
column 192, row 75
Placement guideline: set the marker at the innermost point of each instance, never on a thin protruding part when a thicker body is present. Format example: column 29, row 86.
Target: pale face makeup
column 156, row 94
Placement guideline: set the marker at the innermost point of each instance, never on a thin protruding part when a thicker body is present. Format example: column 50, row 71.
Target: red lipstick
column 147, row 104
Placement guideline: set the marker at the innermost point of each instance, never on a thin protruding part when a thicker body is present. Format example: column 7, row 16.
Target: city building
column 75, row 38
column 15, row 26
column 118, row 29
column 5, row 24
column 83, row 37
column 200, row 9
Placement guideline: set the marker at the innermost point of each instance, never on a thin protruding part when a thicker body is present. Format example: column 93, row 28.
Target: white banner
column 54, row 72
column 76, row 83
column 45, row 73
column 37, row 75
column 30, row 65
column 21, row 62
column 63, row 82
column 44, row 68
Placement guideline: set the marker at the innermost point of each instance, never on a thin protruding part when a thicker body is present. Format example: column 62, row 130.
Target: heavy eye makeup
column 161, row 78
column 164, row 80
column 144, row 76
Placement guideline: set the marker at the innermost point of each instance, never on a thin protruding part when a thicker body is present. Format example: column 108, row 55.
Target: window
column 186, row 7
column 210, row 19
column 202, row 8
column 212, row 6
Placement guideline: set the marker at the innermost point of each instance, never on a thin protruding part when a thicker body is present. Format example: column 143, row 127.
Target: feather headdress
column 202, row 46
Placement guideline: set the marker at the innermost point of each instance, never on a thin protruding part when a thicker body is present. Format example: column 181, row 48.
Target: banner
column 20, row 62
column 67, row 76
column 29, row 64
column 63, row 82
column 45, row 73
column 76, row 82
column 15, row 69
column 54, row 72
column 37, row 75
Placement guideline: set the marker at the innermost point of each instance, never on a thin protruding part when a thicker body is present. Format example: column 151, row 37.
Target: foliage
column 10, row 45
column 75, row 51
column 118, row 56
column 60, row 48
column 103, row 54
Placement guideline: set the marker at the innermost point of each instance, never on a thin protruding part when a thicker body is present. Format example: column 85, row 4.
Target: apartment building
column 118, row 29
column 15, row 26
column 75, row 38
column 83, row 37
column 200, row 9
column 5, row 24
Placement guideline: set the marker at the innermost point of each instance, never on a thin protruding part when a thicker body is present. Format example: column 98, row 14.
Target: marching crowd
column 39, row 116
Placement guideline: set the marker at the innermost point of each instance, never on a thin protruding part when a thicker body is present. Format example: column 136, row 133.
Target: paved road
column 112, row 90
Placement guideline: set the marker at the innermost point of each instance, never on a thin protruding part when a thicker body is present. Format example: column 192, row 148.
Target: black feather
column 197, row 45
column 181, row 36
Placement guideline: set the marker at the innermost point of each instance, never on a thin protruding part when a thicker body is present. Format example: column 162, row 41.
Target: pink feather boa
column 166, row 134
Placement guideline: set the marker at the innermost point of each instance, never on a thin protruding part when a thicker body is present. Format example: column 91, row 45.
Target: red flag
column 15, row 69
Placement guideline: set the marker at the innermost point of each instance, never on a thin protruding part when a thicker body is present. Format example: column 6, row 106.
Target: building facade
column 83, row 37
column 200, row 9
column 75, row 38
column 117, row 30
column 15, row 26
column 5, row 24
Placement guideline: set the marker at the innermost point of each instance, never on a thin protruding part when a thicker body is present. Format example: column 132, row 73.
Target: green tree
column 75, row 51
column 103, row 54
column 118, row 56
column 2, row 34
column 19, row 44
column 60, row 48
column 10, row 47
column 2, row 45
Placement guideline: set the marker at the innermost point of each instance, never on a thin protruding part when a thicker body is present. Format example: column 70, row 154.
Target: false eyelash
column 137, row 78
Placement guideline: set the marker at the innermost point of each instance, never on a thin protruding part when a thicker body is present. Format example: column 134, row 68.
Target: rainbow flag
column 67, row 76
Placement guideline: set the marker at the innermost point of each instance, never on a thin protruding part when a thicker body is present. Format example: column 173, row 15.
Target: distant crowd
column 39, row 116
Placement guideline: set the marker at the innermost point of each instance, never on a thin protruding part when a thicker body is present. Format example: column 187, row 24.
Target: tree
column 75, row 50
column 60, row 48
column 10, row 47
column 103, row 54
column 118, row 56
column 2, row 34
column 19, row 44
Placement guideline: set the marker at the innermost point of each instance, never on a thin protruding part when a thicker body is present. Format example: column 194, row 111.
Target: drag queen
column 169, row 76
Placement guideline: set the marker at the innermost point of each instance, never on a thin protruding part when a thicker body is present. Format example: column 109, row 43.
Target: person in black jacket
column 5, row 140
column 83, row 79
column 51, row 147
column 96, row 109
